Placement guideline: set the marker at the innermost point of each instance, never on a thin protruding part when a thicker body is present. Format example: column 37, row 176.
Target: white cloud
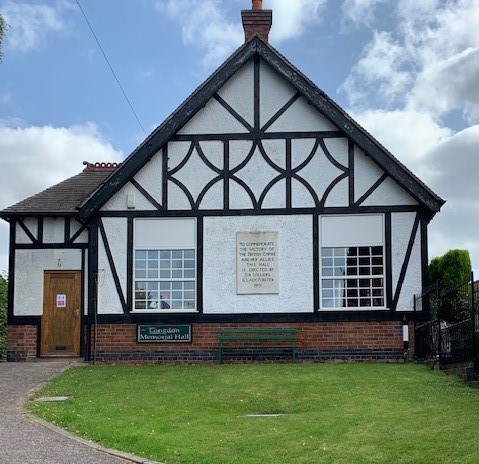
column 430, row 61
column 397, row 130
column 357, row 12
column 31, row 23
column 204, row 23
column 34, row 158
column 291, row 18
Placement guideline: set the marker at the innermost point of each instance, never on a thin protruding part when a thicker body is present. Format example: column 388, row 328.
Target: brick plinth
column 325, row 341
column 21, row 342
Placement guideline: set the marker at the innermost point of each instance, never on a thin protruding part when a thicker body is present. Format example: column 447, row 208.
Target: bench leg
column 294, row 354
column 220, row 356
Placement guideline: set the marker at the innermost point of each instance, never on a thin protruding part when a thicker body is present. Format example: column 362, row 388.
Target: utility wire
column 111, row 69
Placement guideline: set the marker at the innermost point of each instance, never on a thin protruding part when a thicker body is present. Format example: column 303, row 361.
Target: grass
column 333, row 413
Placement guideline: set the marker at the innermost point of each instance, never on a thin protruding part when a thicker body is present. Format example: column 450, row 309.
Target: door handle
column 77, row 312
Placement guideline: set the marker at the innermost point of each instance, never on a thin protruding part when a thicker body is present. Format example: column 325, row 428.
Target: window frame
column 158, row 279
column 355, row 277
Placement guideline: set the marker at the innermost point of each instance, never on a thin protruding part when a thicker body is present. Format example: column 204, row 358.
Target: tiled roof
column 67, row 196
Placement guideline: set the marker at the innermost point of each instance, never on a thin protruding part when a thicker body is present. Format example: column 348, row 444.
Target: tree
column 452, row 270
column 3, row 26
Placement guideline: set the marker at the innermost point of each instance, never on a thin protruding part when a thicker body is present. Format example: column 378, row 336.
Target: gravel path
column 26, row 442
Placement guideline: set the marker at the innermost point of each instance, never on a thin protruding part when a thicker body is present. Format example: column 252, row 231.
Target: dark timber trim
column 256, row 136
column 199, row 265
column 152, row 201
column 318, row 316
column 351, row 172
column 424, row 252
column 11, row 271
column 40, row 229
column 226, row 179
column 257, row 97
column 405, row 264
column 49, row 246
column 27, row 231
column 389, row 260
column 82, row 303
column 289, row 179
column 264, row 212
column 66, row 229
column 78, row 233
column 164, row 177
column 257, row 49
column 129, row 264
column 371, row 189
column 92, row 281
column 281, row 112
column 316, row 263
column 233, row 113
column 111, row 263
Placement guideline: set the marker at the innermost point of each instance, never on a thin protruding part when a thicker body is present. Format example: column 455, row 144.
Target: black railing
column 449, row 333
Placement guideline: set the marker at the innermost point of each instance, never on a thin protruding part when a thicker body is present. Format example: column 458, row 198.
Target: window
column 165, row 265
column 352, row 274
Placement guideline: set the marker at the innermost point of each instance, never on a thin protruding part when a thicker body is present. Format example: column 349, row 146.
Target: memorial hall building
column 258, row 204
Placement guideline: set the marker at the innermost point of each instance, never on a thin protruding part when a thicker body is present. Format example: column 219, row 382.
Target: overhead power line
column 111, row 68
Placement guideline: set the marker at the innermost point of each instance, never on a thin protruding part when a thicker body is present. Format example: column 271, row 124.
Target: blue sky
column 406, row 70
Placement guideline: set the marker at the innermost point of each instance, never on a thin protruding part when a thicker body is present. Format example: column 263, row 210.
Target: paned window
column 352, row 277
column 352, row 262
column 165, row 265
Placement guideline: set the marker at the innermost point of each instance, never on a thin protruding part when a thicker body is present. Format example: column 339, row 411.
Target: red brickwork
column 21, row 342
column 257, row 22
column 316, row 341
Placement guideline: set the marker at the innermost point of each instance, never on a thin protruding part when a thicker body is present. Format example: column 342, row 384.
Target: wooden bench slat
column 227, row 337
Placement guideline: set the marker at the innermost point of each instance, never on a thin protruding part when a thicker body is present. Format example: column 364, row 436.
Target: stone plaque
column 159, row 333
column 257, row 267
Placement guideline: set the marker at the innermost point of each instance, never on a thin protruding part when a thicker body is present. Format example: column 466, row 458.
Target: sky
column 406, row 70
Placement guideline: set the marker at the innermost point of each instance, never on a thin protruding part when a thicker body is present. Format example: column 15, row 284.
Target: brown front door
column 61, row 313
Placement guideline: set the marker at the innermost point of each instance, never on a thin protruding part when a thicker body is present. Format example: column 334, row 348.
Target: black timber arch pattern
column 256, row 135
column 256, row 48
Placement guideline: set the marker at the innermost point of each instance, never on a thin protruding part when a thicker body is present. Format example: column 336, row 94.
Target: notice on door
column 61, row 301
column 257, row 266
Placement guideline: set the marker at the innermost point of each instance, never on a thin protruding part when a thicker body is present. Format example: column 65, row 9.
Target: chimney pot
column 257, row 21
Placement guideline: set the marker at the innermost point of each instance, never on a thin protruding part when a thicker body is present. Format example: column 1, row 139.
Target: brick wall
column 316, row 341
column 21, row 342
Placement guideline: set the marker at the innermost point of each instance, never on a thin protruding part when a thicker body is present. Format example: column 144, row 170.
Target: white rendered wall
column 75, row 226
column 118, row 201
column 402, row 225
column 29, row 267
column 108, row 298
column 54, row 230
column 295, row 265
column 32, row 225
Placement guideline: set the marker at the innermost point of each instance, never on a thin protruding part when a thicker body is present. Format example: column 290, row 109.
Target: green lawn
column 333, row 413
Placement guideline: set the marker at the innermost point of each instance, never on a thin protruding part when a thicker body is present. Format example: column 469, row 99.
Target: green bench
column 230, row 339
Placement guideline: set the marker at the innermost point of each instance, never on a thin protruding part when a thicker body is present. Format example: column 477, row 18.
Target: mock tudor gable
column 258, row 203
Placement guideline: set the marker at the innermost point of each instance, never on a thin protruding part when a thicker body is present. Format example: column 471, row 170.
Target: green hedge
column 3, row 316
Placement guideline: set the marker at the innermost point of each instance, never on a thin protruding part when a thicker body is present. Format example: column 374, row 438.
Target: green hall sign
column 159, row 333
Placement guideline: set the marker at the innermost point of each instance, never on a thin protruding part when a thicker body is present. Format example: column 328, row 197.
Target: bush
column 453, row 269
column 3, row 316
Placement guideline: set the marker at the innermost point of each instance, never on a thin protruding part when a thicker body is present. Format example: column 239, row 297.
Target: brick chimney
column 257, row 21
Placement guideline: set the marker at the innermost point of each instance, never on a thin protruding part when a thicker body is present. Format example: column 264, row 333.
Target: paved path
column 23, row 441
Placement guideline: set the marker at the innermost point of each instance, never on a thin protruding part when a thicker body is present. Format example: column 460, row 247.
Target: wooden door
column 61, row 313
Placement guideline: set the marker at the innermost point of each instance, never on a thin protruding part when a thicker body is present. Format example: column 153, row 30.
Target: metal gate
column 449, row 333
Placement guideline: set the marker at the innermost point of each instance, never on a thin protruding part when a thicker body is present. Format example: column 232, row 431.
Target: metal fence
column 449, row 334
